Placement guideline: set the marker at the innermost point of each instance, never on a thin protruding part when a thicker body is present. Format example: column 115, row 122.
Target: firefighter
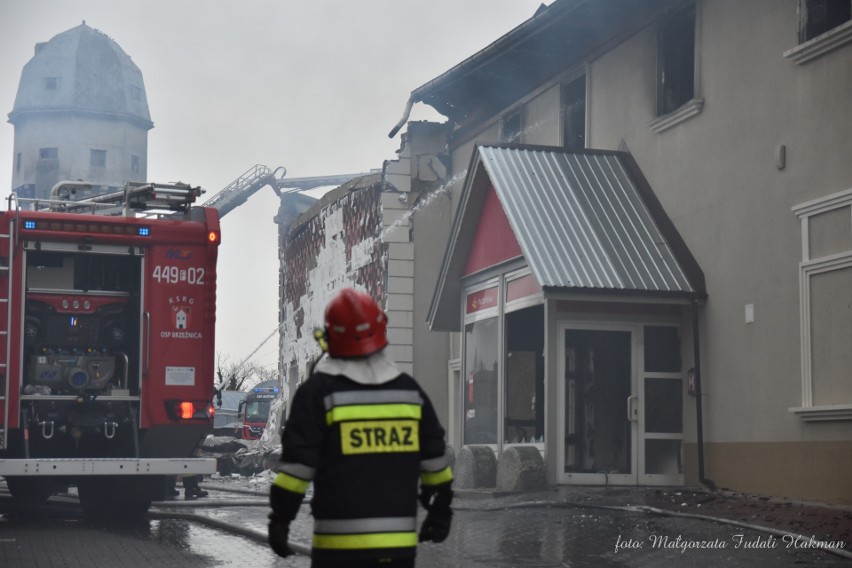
column 191, row 490
column 366, row 435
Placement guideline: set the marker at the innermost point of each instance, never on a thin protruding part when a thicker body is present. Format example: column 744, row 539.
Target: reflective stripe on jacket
column 365, row 534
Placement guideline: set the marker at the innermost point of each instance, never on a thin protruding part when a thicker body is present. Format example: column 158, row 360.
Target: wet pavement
column 547, row 529
column 571, row 537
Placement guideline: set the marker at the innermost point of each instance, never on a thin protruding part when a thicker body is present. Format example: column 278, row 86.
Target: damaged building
column 633, row 262
column 360, row 235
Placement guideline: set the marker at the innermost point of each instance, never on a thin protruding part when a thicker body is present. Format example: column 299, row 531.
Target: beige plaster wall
column 810, row 471
column 716, row 176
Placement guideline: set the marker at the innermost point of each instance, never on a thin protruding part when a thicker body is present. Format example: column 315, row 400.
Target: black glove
column 436, row 527
column 437, row 501
column 279, row 531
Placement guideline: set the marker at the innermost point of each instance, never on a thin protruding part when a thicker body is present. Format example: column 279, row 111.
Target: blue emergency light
column 144, row 231
column 29, row 224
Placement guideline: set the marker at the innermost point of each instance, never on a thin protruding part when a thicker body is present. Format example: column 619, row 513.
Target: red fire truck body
column 107, row 345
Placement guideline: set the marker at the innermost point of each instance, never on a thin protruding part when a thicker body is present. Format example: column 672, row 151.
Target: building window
column 134, row 164
column 678, row 67
column 51, row 83
column 523, row 419
column 502, row 375
column 574, row 114
column 480, row 388
column 48, row 153
column 819, row 16
column 825, row 288
column 824, row 26
column 98, row 159
column 676, row 60
column 511, row 129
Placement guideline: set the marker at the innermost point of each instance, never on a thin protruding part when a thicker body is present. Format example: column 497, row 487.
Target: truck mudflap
column 106, row 466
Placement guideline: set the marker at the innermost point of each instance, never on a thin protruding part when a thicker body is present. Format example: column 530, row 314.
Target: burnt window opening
column 51, row 83
column 134, row 164
column 523, row 419
column 676, row 60
column 18, row 162
column 98, row 159
column 136, row 93
column 574, row 114
column 512, row 128
column 817, row 17
column 48, row 153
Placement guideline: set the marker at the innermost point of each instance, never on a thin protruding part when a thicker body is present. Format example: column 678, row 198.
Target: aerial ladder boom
column 259, row 176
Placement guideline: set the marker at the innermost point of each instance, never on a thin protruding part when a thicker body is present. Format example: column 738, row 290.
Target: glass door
column 598, row 414
column 621, row 417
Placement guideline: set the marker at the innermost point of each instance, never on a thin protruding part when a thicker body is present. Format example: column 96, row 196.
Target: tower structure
column 81, row 113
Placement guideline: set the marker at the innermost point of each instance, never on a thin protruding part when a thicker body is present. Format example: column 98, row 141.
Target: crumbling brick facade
column 336, row 243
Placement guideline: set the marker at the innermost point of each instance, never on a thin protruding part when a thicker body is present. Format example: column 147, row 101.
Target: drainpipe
column 404, row 118
column 384, row 181
column 698, row 410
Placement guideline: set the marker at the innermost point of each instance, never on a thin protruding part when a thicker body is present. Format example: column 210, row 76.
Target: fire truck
column 254, row 410
column 107, row 313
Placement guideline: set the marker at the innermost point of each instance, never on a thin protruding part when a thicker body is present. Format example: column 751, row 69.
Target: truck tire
column 30, row 489
column 114, row 499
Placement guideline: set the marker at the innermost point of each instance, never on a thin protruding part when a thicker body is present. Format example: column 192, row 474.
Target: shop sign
column 481, row 300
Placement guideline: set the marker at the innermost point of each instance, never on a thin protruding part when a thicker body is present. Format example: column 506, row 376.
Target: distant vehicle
column 107, row 323
column 254, row 411
column 226, row 422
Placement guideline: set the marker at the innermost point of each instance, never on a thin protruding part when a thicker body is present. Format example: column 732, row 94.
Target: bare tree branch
column 240, row 377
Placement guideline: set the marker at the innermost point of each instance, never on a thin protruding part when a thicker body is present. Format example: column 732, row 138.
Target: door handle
column 147, row 345
column 632, row 410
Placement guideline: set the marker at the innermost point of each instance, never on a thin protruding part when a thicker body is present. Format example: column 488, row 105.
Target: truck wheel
column 30, row 489
column 107, row 498
column 94, row 498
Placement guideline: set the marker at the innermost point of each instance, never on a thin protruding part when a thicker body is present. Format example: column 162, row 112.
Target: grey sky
column 311, row 85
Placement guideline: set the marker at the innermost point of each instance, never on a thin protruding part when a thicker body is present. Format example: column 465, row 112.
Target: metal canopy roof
column 585, row 221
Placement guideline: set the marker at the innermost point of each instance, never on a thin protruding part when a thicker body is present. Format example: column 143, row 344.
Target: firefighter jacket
column 365, row 435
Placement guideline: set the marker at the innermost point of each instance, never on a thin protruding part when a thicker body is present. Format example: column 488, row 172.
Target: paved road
column 484, row 535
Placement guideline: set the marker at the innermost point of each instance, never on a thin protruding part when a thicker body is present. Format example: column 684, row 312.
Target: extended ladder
column 238, row 191
column 6, row 250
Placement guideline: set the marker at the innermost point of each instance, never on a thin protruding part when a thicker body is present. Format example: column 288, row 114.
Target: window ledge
column 685, row 112
column 820, row 45
column 823, row 413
